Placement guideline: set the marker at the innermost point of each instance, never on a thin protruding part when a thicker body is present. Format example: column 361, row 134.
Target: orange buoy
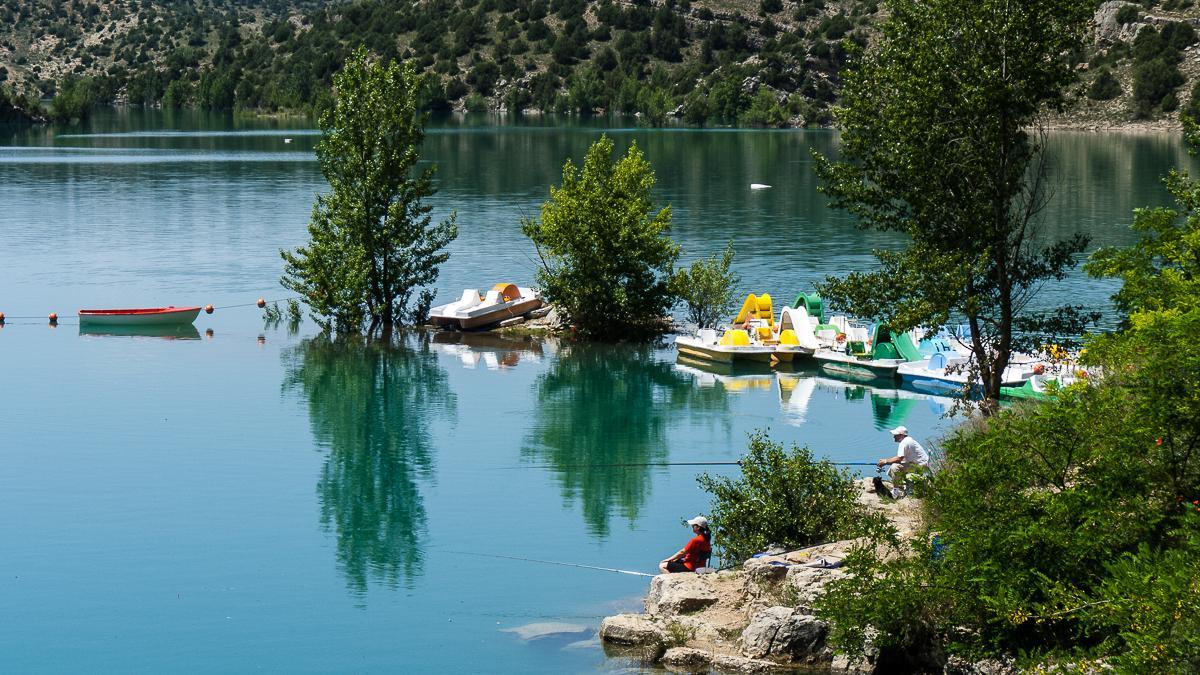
column 208, row 309
column 1, row 318
column 208, row 333
column 261, row 302
column 53, row 317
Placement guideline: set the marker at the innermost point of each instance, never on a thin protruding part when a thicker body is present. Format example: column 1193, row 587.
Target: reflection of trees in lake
column 371, row 405
column 609, row 405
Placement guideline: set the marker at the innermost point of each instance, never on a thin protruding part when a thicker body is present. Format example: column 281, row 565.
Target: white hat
column 900, row 431
column 698, row 520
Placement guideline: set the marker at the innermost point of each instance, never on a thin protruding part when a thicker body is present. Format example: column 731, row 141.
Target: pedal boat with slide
column 790, row 337
column 147, row 316
column 472, row 310
column 733, row 345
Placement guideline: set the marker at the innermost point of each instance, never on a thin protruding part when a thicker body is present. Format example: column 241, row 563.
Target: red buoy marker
column 261, row 302
column 208, row 309
column 53, row 318
column 1, row 318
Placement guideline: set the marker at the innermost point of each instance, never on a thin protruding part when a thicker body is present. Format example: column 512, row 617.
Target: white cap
column 900, row 431
column 698, row 520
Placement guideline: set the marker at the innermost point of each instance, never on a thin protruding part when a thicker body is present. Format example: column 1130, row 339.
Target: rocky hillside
column 761, row 62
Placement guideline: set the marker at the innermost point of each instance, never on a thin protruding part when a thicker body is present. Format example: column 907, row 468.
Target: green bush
column 708, row 288
column 783, row 497
column 1152, row 82
column 1128, row 14
column 607, row 261
column 1105, row 87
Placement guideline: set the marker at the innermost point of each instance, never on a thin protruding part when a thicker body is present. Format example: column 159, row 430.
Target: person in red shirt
column 695, row 555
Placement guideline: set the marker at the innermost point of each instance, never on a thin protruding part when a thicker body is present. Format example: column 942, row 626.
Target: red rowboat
column 151, row 316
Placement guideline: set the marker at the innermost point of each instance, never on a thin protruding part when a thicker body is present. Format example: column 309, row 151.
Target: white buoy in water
column 287, row 140
column 759, row 186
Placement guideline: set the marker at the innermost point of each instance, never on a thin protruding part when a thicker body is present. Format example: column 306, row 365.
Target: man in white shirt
column 910, row 459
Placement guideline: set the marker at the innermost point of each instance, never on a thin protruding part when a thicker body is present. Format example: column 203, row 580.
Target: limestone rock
column 631, row 629
column 541, row 312
column 515, row 321
column 784, row 633
column 689, row 660
column 1108, row 29
column 844, row 664
column 686, row 659
column 674, row 594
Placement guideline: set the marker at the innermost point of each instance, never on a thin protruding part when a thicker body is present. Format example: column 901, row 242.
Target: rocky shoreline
column 756, row 618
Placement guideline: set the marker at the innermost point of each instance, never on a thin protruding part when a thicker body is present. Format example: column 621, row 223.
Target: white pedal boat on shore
column 472, row 310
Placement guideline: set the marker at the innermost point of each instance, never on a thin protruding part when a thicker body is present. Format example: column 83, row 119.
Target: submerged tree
column 607, row 260
column 372, row 241
column 708, row 287
column 937, row 144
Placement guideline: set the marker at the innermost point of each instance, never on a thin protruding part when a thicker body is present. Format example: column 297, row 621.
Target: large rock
column 784, row 633
column 674, row 594
column 631, row 629
column 1108, row 29
column 689, row 660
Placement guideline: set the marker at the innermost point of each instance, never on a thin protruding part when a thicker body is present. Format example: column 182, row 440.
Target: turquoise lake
column 262, row 499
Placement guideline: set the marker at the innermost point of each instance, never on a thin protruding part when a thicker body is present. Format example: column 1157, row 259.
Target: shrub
column 606, row 258
column 782, row 497
column 1105, row 87
column 1128, row 14
column 1152, row 81
column 708, row 288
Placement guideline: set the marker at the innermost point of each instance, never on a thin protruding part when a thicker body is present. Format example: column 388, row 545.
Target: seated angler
column 695, row 555
column 911, row 459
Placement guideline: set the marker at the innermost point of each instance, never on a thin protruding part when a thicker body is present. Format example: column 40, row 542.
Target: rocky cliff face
column 757, row 618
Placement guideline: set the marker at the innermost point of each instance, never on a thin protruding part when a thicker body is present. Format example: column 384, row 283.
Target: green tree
column 937, row 145
column 372, row 242
column 709, row 289
column 606, row 258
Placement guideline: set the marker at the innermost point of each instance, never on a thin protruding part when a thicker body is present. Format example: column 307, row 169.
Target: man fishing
column 910, row 459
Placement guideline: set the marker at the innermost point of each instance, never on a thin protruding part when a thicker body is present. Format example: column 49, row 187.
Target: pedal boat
column 943, row 373
column 147, row 316
column 868, row 354
column 472, row 310
column 732, row 346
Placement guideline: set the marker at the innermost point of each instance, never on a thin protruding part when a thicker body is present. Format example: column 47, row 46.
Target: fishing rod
column 554, row 562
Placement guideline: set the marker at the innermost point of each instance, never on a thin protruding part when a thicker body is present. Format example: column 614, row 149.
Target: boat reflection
column 734, row 377
column 493, row 350
column 177, row 332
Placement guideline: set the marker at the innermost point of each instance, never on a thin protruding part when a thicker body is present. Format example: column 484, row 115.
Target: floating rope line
column 53, row 317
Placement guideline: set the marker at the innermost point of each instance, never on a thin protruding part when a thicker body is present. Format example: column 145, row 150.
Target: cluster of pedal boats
column 937, row 362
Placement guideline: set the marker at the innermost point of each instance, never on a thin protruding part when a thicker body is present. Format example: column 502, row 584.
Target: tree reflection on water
column 601, row 404
column 372, row 404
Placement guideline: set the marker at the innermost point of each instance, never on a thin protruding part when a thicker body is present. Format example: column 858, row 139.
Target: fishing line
column 647, row 464
column 554, row 562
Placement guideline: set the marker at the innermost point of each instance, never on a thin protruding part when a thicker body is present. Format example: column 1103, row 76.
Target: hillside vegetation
column 751, row 62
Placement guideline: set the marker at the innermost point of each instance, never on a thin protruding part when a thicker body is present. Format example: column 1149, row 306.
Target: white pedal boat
column 472, row 310
column 733, row 345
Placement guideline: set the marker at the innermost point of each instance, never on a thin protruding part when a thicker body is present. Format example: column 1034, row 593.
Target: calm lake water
column 264, row 499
